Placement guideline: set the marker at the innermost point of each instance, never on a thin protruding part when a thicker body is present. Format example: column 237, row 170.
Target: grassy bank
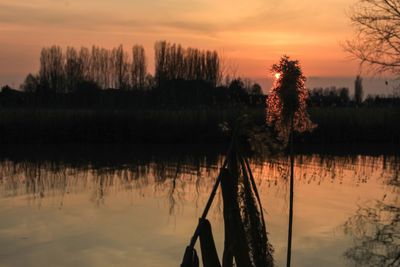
column 197, row 125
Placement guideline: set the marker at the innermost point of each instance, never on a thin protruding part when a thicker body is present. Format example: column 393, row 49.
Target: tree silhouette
column 256, row 89
column 121, row 67
column 72, row 69
column 377, row 30
column 31, row 83
column 52, row 69
column 138, row 69
column 61, row 72
column 84, row 61
column 172, row 62
column 358, row 90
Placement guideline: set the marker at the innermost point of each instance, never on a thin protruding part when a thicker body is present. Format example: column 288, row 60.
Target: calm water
column 140, row 208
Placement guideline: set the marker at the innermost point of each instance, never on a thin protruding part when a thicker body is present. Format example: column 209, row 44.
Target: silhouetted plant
column 344, row 95
column 237, row 87
column 287, row 112
column 31, row 83
column 6, row 88
column 358, row 90
column 87, row 87
column 287, row 101
column 256, row 89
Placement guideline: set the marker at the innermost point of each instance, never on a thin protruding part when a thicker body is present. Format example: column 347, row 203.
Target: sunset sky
column 250, row 35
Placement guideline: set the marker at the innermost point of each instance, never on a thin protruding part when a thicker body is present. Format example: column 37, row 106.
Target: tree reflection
column 375, row 227
column 179, row 179
column 376, row 232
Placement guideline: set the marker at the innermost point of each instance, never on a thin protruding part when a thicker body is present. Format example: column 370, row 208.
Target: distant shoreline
column 372, row 85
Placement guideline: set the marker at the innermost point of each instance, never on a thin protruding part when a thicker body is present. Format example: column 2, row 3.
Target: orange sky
column 250, row 35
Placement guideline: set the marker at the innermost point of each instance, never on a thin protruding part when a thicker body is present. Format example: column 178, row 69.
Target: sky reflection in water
column 142, row 212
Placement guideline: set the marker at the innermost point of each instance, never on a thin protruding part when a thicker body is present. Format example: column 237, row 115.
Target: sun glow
column 277, row 75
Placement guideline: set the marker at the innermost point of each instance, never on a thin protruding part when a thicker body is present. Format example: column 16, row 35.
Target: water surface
column 113, row 208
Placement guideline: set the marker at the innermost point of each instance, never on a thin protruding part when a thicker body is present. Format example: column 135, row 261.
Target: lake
column 139, row 206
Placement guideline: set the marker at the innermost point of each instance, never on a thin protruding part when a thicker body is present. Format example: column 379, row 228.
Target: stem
column 289, row 249
column 213, row 191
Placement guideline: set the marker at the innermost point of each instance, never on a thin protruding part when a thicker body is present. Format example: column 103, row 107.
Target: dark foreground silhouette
column 246, row 242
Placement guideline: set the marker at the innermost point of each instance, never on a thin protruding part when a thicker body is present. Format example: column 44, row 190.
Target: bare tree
column 51, row 71
column 61, row 71
column 377, row 40
column 159, row 61
column 72, row 69
column 138, row 70
column 44, row 70
column 84, row 63
column 173, row 62
column 95, row 65
column 104, row 68
column 213, row 67
column 121, row 65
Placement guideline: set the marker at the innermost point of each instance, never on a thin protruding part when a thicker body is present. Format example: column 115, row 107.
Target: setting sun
column 277, row 75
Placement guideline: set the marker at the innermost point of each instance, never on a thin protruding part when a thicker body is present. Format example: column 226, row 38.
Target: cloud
column 289, row 16
column 31, row 16
column 197, row 17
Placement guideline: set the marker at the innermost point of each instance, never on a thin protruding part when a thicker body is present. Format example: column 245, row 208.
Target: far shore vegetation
column 102, row 95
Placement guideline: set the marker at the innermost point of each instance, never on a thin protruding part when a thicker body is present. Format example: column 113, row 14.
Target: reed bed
column 116, row 126
column 189, row 125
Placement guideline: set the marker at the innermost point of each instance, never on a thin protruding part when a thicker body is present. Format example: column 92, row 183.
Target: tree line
column 65, row 71
column 340, row 97
column 329, row 96
column 172, row 62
